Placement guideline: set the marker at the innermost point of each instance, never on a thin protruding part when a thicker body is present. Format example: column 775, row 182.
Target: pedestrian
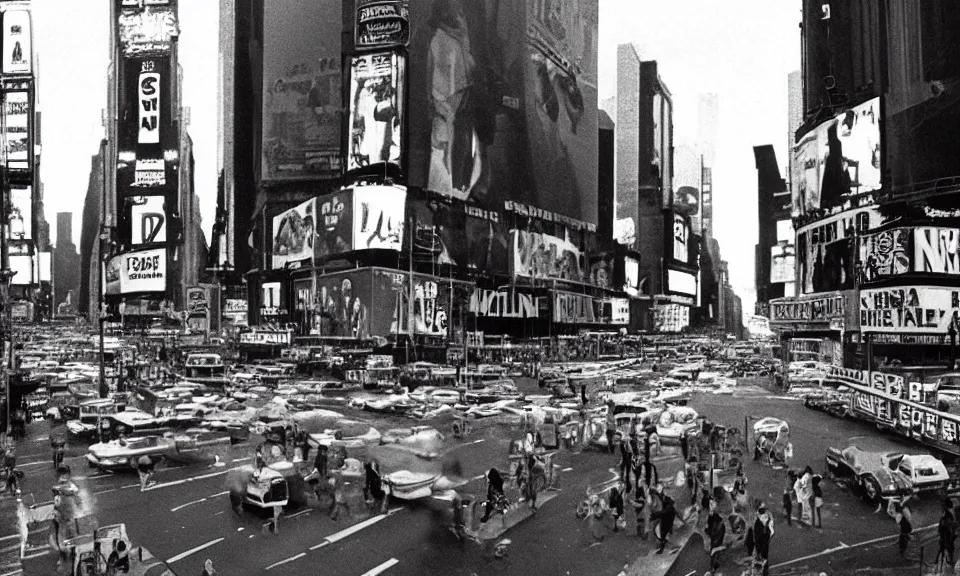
column 817, row 483
column 641, row 510
column 651, row 476
column 208, row 569
column 373, row 491
column 650, row 437
column 611, row 427
column 145, row 467
column 626, row 458
column 667, row 519
column 259, row 460
column 946, row 534
column 716, row 533
column 690, row 470
column 496, row 501
column 788, row 496
column 904, row 521
column 762, row 532
column 617, row 507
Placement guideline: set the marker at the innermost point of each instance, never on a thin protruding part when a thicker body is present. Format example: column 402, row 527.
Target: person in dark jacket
column 616, row 505
column 495, row 495
column 716, row 531
column 762, row 532
column 946, row 535
column 667, row 518
column 373, row 490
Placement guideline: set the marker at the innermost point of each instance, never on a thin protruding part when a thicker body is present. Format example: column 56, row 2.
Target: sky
column 71, row 39
column 741, row 51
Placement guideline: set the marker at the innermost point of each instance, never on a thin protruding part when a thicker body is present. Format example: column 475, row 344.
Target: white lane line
column 36, row 464
column 192, row 479
column 218, row 494
column 480, row 477
column 354, row 529
column 282, row 562
column 566, row 469
column 300, row 513
column 382, row 568
column 10, row 537
column 192, row 551
column 243, row 459
column 846, row 547
column 182, row 506
column 129, row 486
column 104, row 491
column 479, row 441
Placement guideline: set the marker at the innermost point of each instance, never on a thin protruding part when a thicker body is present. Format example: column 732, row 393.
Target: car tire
column 871, row 490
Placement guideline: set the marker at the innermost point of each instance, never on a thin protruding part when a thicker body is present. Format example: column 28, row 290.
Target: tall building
column 794, row 117
column 773, row 267
column 627, row 119
column 66, row 263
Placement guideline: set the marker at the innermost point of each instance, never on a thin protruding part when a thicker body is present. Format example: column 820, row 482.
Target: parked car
column 118, row 454
column 870, row 470
column 925, row 471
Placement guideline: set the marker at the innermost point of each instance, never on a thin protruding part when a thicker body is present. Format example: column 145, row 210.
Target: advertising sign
column 681, row 282
column 686, row 200
column 570, row 308
column 824, row 250
column 18, row 122
column 293, row 234
column 670, row 318
column 147, row 29
column 611, row 310
column 378, row 217
column 544, row 256
column 508, row 303
column 376, row 109
column 345, row 306
column 271, row 299
column 838, row 158
column 17, row 42
column 22, row 268
column 302, row 96
column 457, row 235
column 883, row 254
column 149, row 99
column 45, row 272
column 913, row 310
column 382, row 24
column 265, row 338
column 21, row 213
column 143, row 271
column 503, row 103
column 631, row 276
column 197, row 300
column 431, row 305
column 681, row 239
column 783, row 262
column 335, row 234
column 148, row 221
column 935, row 250
column 150, row 172
column 235, row 311
column 821, row 308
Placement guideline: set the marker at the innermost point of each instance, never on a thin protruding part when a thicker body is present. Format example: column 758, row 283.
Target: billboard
column 21, row 213
column 146, row 128
column 293, row 234
column 936, row 250
column 571, row 308
column 198, row 301
column 148, row 99
column 681, row 282
column 505, row 303
column 150, row 173
column 19, row 119
column 503, row 103
column 376, row 109
column 45, row 266
column 925, row 250
column 883, row 254
column 235, row 311
column 838, row 158
column 823, row 250
column 670, row 318
column 148, row 220
column 335, row 229
column 21, row 266
column 302, row 89
column 378, row 217
column 432, row 303
column 909, row 310
column 783, row 261
column 546, row 257
column 686, row 200
column 681, row 239
column 17, row 42
column 631, row 276
column 146, row 27
column 143, row 271
column 381, row 24
column 458, row 235
column 345, row 306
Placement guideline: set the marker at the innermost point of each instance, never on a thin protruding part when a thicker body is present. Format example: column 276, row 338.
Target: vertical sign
column 18, row 115
column 17, row 42
column 149, row 98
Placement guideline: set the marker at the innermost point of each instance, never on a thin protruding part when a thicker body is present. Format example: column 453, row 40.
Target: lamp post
column 952, row 332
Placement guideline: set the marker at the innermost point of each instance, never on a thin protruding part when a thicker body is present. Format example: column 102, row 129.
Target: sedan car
column 118, row 454
column 870, row 470
column 925, row 471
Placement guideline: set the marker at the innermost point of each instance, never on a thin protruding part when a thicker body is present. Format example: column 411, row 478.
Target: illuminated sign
column 149, row 92
column 909, row 310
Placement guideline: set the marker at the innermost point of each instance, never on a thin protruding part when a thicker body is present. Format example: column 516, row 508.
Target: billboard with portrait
column 344, row 305
column 21, row 216
column 148, row 220
column 378, row 217
column 18, row 122
column 146, row 27
column 146, row 127
column 883, row 254
column 823, row 250
column 546, row 257
column 459, row 236
column 909, row 310
column 783, row 262
column 17, row 41
column 143, row 271
column 631, row 276
column 838, row 158
column 293, row 234
column 376, row 109
column 302, row 96
column 381, row 24
column 686, row 200
column 503, row 99
column 335, row 224
column 681, row 239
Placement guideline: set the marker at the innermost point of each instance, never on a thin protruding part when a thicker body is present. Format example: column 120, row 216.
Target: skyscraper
column 794, row 117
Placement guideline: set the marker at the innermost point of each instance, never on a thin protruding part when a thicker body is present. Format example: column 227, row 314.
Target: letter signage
column 911, row 310
column 149, row 108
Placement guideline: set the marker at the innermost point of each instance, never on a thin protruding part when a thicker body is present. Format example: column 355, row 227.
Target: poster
column 293, row 234
column 376, row 109
column 335, row 231
column 460, row 236
column 544, row 256
column 22, row 268
column 681, row 239
column 144, row 271
column 150, row 173
column 431, row 305
column 17, row 41
column 838, row 158
column 112, row 277
column 302, row 97
column 910, row 310
column 382, row 24
column 21, row 216
column 631, row 274
column 884, row 254
column 149, row 99
column 147, row 30
column 148, row 220
column 378, row 213
column 503, row 98
column 670, row 318
column 197, row 300
column 18, row 122
column 782, row 263
column 823, row 250
column 936, row 250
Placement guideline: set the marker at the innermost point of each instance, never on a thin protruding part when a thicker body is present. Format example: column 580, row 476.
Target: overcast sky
column 741, row 51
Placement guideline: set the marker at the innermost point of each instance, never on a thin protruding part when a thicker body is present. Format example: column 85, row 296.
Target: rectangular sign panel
column 382, row 24
column 504, row 304
column 147, row 28
column 148, row 220
column 22, row 268
column 681, row 239
column 670, row 318
column 884, row 254
column 378, row 217
column 144, row 271
column 17, row 42
column 822, row 308
column 823, row 250
column 302, row 95
column 782, row 263
column 21, row 217
column 631, row 276
column 149, row 98
column 935, row 250
column 376, row 109
column 335, row 224
column 18, row 121
column 913, row 310
column 544, row 256
column 570, row 308
column 681, row 282
column 293, row 234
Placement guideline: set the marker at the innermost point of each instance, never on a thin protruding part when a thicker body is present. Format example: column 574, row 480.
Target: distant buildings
column 66, row 264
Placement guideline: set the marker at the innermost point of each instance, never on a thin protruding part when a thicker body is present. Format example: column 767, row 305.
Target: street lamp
column 952, row 332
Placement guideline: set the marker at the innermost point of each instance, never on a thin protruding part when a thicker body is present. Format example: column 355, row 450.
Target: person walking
column 762, row 532
column 626, row 459
column 788, row 496
column 817, row 484
column 617, row 507
column 716, row 532
column 667, row 518
column 145, row 466
column 904, row 519
column 611, row 427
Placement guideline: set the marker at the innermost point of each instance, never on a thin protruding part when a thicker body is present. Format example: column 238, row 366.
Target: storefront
column 818, row 327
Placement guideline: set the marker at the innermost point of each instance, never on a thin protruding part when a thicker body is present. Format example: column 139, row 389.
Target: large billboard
column 381, row 24
column 546, row 257
column 883, row 254
column 909, row 310
column 376, row 109
column 378, row 217
column 838, row 158
column 503, row 103
column 926, row 250
column 21, row 216
column 293, row 234
column 670, row 318
column 137, row 272
column 782, row 263
column 18, row 121
column 146, row 128
column 680, row 239
column 824, row 250
column 17, row 41
column 148, row 220
column 302, row 95
column 458, row 235
column 146, row 27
